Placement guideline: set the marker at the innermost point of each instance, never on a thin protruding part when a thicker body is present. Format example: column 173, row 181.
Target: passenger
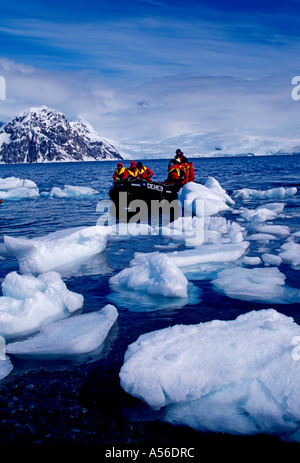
column 184, row 168
column 131, row 172
column 179, row 155
column 175, row 174
column 191, row 172
column 144, row 172
column 119, row 172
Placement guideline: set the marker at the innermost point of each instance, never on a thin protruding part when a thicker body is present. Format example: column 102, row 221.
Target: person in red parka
column 144, row 172
column 131, row 172
column 119, row 172
column 173, row 174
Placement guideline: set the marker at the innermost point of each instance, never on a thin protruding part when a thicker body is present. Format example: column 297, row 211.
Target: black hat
column 139, row 164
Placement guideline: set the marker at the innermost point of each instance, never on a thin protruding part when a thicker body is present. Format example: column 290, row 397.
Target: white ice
column 75, row 335
column 197, row 230
column 28, row 302
column 205, row 200
column 209, row 253
column 239, row 376
column 290, row 253
column 17, row 188
column 154, row 274
column 71, row 191
column 272, row 193
column 53, row 251
column 265, row 284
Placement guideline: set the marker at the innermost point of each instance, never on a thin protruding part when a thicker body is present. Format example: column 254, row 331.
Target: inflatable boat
column 142, row 189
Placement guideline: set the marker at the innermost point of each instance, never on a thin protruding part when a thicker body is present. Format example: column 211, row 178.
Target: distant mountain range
column 212, row 145
column 45, row 135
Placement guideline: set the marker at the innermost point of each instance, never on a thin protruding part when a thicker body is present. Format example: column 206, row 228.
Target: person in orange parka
column 173, row 174
column 132, row 171
column 119, row 172
column 191, row 172
column 144, row 172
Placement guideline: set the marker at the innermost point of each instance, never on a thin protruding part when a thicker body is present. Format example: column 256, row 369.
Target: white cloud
column 157, row 109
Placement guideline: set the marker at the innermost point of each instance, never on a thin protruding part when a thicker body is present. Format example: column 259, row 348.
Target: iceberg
column 239, row 376
column 205, row 200
column 75, row 335
column 17, row 188
column 265, row 284
column 155, row 274
column 53, row 251
column 28, row 302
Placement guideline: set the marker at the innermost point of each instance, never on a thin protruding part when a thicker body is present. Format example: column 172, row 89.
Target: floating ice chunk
column 261, row 237
column 290, row 253
column 271, row 259
column 197, row 230
column 205, row 200
column 266, row 284
column 257, row 216
column 53, row 251
column 29, row 302
column 272, row 193
column 71, row 191
column 11, row 183
column 72, row 336
column 205, row 253
column 155, row 274
column 236, row 376
column 277, row 230
column 5, row 363
column 255, row 260
column 17, row 188
column 146, row 302
column 5, row 367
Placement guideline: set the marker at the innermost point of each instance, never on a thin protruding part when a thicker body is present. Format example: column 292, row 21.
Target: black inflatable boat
column 142, row 189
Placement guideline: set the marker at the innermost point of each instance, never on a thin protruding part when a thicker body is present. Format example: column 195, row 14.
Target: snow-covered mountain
column 212, row 145
column 45, row 135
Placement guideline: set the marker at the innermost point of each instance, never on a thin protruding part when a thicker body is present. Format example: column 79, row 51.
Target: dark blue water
column 91, row 406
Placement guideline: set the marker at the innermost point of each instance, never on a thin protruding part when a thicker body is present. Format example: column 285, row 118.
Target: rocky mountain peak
column 45, row 135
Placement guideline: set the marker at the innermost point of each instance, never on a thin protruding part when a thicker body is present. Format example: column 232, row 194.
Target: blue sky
column 149, row 69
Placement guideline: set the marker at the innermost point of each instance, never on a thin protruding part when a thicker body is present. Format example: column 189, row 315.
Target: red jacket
column 119, row 173
column 145, row 173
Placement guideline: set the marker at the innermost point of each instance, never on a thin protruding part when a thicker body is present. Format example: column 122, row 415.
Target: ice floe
column 237, row 376
column 264, row 284
column 290, row 253
column 17, row 188
column 54, row 251
column 153, row 273
column 205, row 200
column 71, row 191
column 28, row 302
column 75, row 335
column 209, row 253
column 271, row 193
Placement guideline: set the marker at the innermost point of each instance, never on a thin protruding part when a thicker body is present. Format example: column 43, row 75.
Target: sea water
column 138, row 314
